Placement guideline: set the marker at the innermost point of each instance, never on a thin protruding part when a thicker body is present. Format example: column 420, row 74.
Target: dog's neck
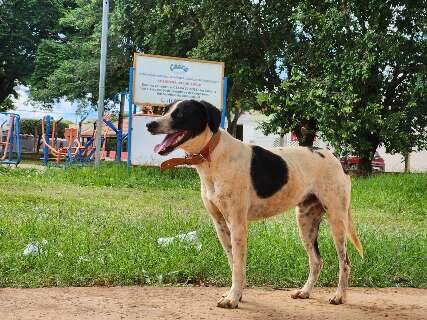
column 217, row 154
column 196, row 145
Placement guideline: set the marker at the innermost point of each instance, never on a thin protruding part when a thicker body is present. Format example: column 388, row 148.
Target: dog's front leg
column 221, row 229
column 239, row 229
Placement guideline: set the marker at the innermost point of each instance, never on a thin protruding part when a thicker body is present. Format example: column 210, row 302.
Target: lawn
column 101, row 227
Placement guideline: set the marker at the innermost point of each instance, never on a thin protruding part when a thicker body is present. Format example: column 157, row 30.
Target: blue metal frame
column 224, row 102
column 47, row 138
column 14, row 139
column 130, row 102
column 120, row 136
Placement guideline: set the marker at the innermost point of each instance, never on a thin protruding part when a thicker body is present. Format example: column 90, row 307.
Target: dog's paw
column 226, row 294
column 300, row 294
column 336, row 300
column 228, row 303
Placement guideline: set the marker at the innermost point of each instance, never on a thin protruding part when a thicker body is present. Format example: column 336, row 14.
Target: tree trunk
column 282, row 140
column 306, row 132
column 6, row 88
column 365, row 165
column 36, row 139
column 39, row 142
column 407, row 162
column 232, row 124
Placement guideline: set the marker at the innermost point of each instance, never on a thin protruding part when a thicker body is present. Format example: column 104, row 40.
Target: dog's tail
column 352, row 233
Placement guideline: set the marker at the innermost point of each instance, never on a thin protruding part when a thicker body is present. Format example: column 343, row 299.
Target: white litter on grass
column 190, row 237
column 34, row 248
column 84, row 259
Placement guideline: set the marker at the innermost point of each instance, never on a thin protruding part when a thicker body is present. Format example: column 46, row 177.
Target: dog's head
column 184, row 123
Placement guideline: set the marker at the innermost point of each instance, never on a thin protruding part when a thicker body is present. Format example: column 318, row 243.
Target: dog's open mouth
column 171, row 141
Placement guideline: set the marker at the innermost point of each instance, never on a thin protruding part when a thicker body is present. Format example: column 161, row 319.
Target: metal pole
column 47, row 138
column 120, row 128
column 101, row 91
column 18, row 139
column 130, row 101
column 224, row 103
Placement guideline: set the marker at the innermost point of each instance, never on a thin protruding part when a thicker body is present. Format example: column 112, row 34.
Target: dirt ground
column 199, row 303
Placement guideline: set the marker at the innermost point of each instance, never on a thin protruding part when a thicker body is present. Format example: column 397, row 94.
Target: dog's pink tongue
column 167, row 141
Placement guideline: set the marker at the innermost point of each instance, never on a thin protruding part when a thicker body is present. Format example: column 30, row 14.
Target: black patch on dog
column 309, row 200
column 269, row 172
column 194, row 116
column 315, row 244
column 214, row 116
column 316, row 151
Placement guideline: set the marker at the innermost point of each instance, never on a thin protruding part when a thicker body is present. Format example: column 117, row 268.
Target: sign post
column 160, row 80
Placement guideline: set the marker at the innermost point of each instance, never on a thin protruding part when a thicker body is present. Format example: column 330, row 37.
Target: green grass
column 100, row 227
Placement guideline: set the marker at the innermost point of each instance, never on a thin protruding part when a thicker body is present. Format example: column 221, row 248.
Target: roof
column 87, row 129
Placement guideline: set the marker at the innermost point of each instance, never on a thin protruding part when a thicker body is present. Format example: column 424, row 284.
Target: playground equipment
column 49, row 139
column 75, row 150
column 10, row 139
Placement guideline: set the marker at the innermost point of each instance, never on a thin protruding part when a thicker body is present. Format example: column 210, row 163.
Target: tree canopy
column 23, row 25
column 358, row 75
column 245, row 35
column 352, row 72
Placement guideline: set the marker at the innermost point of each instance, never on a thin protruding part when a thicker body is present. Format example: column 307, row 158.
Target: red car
column 351, row 163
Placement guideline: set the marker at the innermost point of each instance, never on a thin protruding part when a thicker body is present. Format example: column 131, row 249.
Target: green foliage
column 7, row 105
column 240, row 34
column 69, row 68
column 245, row 35
column 357, row 69
column 105, row 222
column 23, row 24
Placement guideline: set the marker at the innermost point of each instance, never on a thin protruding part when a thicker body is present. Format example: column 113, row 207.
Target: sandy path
column 199, row 303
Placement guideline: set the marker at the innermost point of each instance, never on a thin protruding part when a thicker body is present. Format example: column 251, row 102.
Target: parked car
column 351, row 163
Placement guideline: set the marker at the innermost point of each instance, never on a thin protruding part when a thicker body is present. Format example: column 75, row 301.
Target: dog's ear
column 214, row 116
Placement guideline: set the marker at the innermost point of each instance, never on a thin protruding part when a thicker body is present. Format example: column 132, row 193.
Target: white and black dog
column 241, row 182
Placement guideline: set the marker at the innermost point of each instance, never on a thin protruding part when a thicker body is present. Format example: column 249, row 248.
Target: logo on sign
column 178, row 68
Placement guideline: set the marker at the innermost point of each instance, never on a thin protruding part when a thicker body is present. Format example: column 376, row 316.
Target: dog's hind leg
column 338, row 230
column 308, row 218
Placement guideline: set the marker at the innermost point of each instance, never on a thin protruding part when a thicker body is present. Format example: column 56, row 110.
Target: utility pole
column 101, row 91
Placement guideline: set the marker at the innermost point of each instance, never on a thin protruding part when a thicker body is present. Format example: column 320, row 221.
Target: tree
column 368, row 84
column 69, row 68
column 20, row 33
column 246, row 36
column 242, row 34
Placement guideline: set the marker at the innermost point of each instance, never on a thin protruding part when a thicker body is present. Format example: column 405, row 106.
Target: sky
column 27, row 109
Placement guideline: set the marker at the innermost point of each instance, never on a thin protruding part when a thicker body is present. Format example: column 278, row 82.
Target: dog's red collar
column 204, row 155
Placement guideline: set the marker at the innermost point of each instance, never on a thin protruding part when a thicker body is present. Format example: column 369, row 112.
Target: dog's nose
column 152, row 125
